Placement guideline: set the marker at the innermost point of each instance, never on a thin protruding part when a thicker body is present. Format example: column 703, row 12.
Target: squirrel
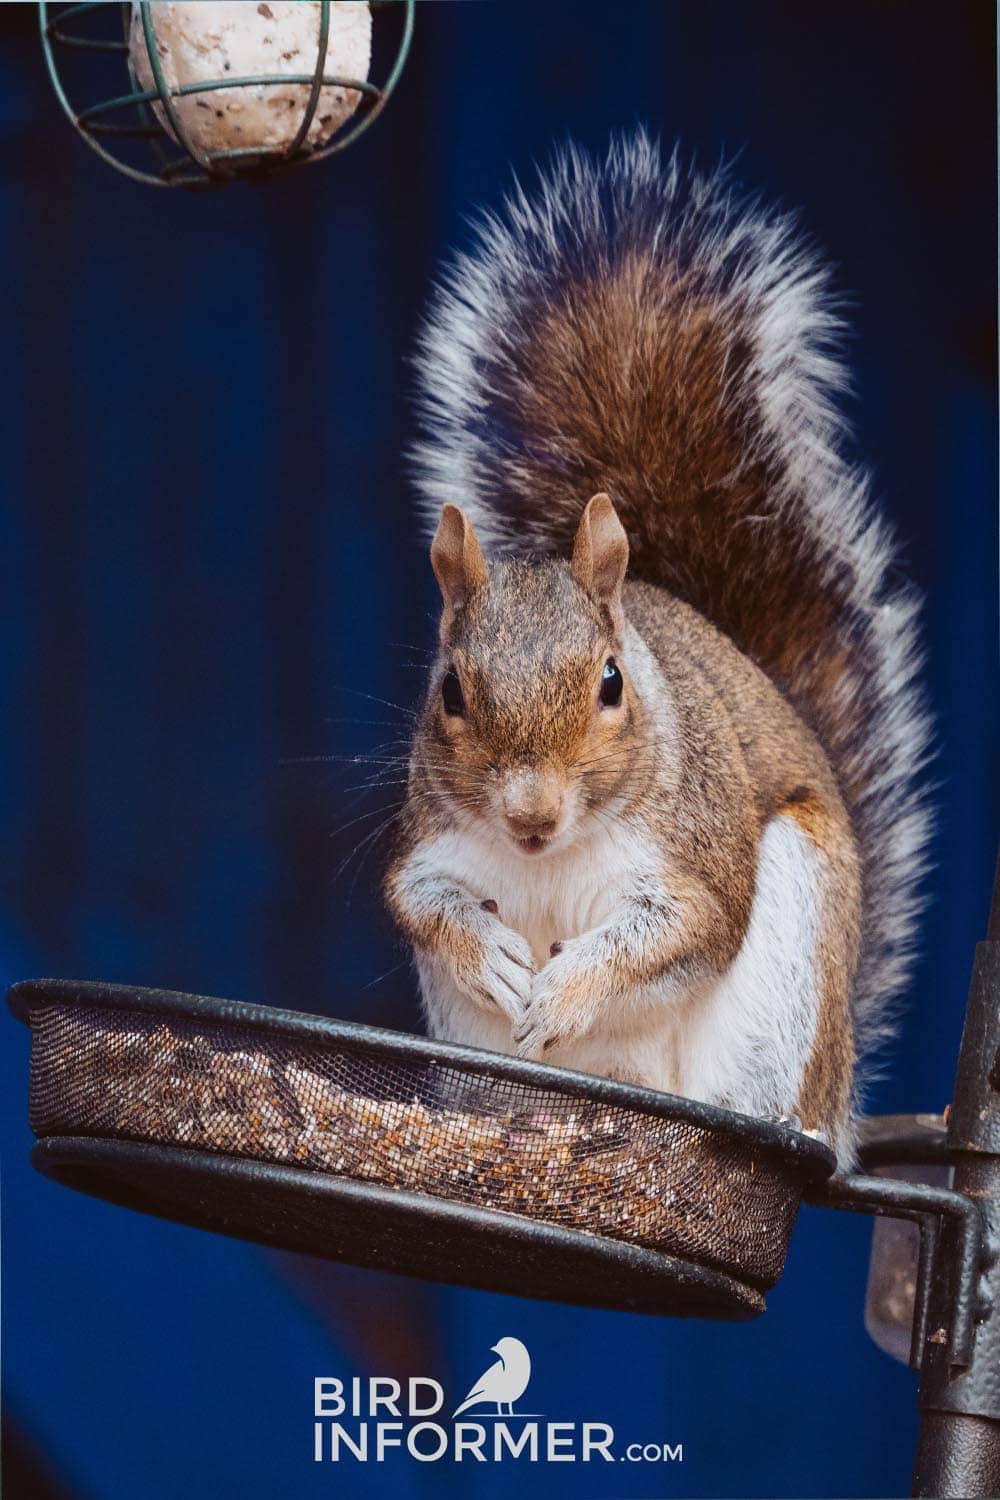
column 663, row 819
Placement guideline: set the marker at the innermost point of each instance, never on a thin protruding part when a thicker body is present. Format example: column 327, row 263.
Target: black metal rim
column 805, row 1159
column 610, row 1274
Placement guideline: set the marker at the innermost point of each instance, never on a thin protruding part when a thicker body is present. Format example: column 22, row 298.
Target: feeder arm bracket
column 959, row 1448
column 955, row 1342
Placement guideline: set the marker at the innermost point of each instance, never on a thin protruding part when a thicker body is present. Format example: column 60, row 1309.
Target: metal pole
column 958, row 1453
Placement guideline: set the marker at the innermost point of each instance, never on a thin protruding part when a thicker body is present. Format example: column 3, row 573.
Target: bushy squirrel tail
column 633, row 327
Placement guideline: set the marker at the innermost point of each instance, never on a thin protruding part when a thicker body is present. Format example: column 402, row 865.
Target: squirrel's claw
column 535, row 1036
column 561, row 1005
column 531, row 1042
column 505, row 973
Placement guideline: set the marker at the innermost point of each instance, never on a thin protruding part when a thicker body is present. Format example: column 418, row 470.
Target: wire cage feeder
column 88, row 45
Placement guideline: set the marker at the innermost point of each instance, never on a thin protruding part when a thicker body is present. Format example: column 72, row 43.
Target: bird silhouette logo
column 504, row 1382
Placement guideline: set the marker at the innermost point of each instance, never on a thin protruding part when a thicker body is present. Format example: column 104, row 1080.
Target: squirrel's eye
column 451, row 694
column 612, row 684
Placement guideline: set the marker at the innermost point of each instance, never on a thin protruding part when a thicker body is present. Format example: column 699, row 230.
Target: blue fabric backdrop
column 211, row 559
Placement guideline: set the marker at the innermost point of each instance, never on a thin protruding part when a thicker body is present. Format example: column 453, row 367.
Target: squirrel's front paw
column 564, row 1002
column 499, row 969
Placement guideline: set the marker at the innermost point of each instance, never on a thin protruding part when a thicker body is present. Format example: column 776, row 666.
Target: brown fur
column 826, row 1082
column 528, row 645
column 673, row 456
column 635, row 330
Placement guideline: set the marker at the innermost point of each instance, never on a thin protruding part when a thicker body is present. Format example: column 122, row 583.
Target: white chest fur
column 742, row 1040
column 550, row 897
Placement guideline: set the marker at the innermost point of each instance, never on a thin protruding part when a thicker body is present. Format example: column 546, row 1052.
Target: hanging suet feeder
column 203, row 94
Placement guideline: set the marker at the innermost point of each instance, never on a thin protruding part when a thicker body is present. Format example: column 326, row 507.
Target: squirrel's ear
column 600, row 555
column 458, row 562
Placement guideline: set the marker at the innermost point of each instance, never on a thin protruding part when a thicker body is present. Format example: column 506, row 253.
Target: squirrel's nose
column 531, row 828
column 532, row 802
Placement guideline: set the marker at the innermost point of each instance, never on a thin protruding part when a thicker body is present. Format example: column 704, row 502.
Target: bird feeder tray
column 410, row 1155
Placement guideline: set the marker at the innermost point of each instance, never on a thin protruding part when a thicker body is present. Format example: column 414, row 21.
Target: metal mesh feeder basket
column 404, row 1154
column 184, row 108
